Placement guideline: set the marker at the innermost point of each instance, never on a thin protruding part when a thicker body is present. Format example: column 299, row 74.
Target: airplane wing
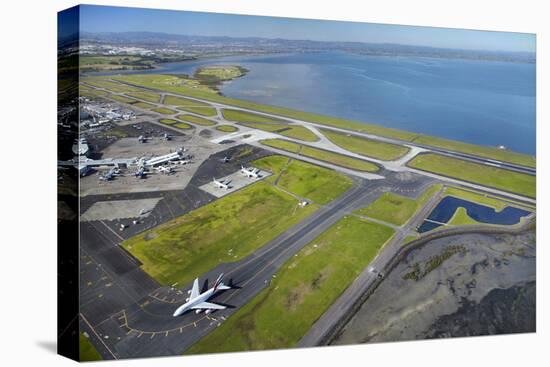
column 195, row 290
column 208, row 305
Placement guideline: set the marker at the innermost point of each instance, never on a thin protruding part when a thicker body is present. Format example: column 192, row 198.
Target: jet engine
column 198, row 311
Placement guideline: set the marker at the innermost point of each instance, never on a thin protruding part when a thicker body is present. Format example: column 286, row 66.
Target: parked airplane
column 141, row 173
column 165, row 169
column 221, row 184
column 113, row 172
column 250, row 172
column 181, row 162
column 197, row 301
column 167, row 136
column 226, row 159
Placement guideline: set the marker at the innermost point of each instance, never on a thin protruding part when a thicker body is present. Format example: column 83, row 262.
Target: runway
column 133, row 317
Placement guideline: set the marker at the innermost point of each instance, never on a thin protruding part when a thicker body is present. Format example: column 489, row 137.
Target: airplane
column 167, row 136
column 197, row 300
column 141, row 173
column 250, row 172
column 143, row 139
column 165, row 169
column 221, row 184
column 226, row 159
column 180, row 162
column 113, row 172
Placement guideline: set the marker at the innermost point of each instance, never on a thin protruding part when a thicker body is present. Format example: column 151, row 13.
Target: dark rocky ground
column 462, row 285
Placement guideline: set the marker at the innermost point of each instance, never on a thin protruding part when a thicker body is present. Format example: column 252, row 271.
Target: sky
column 118, row 19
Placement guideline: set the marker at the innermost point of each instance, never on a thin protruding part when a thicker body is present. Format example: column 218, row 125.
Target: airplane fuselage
column 195, row 301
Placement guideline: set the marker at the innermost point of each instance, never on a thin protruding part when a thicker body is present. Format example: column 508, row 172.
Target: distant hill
column 256, row 44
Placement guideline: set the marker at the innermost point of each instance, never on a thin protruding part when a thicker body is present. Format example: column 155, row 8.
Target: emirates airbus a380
column 197, row 300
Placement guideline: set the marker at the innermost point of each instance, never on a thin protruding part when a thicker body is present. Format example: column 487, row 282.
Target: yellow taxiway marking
column 140, row 334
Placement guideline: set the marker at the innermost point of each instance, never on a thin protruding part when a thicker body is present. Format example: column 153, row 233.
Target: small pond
column 446, row 208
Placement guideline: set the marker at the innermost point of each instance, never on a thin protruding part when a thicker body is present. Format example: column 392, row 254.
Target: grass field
column 484, row 175
column 282, row 144
column 185, row 102
column 322, row 155
column 243, row 116
column 189, row 105
column 112, row 62
column 225, row 230
column 227, row 128
column 121, row 99
column 219, row 72
column 144, row 105
column 164, row 111
column 481, row 151
column 397, row 209
column 291, row 131
column 87, row 351
column 168, row 83
column 204, row 111
column 183, row 125
column 196, row 120
column 367, row 147
column 306, row 180
column 304, row 288
column 409, row 239
column 90, row 92
column 274, row 164
column 461, row 218
column 391, row 208
column 168, row 121
column 146, row 96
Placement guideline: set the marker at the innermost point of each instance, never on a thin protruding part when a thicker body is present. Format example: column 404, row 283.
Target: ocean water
column 476, row 101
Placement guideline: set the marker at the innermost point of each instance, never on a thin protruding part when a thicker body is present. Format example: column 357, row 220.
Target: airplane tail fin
column 218, row 284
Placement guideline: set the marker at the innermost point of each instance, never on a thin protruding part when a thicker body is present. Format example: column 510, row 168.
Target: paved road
column 138, row 323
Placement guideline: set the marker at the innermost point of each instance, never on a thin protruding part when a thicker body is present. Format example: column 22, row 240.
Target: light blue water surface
column 476, row 101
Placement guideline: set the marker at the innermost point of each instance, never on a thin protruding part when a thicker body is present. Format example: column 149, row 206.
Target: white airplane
column 181, row 162
column 167, row 136
column 165, row 169
column 141, row 172
column 197, row 300
column 113, row 172
column 221, row 184
column 250, row 172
